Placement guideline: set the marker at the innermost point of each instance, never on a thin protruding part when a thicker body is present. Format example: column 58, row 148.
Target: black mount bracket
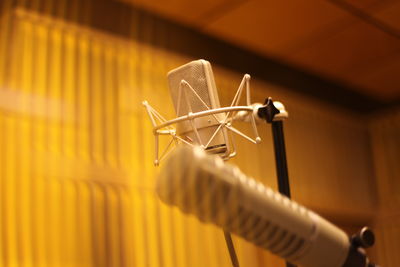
column 268, row 110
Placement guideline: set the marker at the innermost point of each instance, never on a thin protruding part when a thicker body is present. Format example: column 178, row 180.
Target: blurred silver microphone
column 220, row 193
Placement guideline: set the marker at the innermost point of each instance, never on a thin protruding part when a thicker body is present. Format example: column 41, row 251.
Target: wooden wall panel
column 385, row 139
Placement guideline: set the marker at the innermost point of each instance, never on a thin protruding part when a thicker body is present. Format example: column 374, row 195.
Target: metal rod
column 202, row 114
column 281, row 163
column 231, row 249
column 280, row 158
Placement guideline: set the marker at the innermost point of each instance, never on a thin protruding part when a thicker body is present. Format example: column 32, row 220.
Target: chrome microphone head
column 219, row 193
column 193, row 89
column 200, row 119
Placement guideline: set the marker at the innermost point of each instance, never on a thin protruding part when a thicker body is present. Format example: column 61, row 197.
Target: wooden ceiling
column 317, row 35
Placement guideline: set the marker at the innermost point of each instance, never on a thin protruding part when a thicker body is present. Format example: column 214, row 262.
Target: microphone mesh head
column 193, row 89
column 194, row 73
column 219, row 193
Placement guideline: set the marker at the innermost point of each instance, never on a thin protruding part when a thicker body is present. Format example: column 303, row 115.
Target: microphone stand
column 269, row 113
column 365, row 238
column 231, row 249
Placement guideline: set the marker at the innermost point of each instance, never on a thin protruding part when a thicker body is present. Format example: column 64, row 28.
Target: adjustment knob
column 365, row 238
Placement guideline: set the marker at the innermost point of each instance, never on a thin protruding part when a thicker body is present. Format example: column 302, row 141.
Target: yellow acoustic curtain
column 76, row 156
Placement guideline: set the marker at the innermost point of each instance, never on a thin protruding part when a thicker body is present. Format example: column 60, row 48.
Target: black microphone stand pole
column 271, row 114
column 275, row 115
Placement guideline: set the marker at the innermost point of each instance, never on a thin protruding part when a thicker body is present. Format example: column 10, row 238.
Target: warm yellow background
column 76, row 152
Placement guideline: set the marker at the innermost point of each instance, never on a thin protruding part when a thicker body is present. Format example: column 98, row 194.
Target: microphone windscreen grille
column 194, row 74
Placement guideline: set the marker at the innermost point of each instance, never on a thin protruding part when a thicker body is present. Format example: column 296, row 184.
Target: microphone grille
column 205, row 186
column 200, row 96
column 199, row 75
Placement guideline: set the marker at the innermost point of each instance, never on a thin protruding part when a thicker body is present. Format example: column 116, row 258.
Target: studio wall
column 384, row 130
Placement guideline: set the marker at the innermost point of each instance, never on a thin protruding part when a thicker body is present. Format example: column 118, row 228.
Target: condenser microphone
column 192, row 87
column 221, row 194
column 200, row 120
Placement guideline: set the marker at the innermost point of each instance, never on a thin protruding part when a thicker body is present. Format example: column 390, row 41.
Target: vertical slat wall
column 385, row 142
column 76, row 172
column 77, row 150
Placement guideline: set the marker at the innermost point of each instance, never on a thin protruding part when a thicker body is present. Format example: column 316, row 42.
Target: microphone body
column 192, row 87
column 221, row 194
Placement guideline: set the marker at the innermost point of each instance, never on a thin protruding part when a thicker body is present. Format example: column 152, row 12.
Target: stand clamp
column 272, row 111
column 359, row 242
